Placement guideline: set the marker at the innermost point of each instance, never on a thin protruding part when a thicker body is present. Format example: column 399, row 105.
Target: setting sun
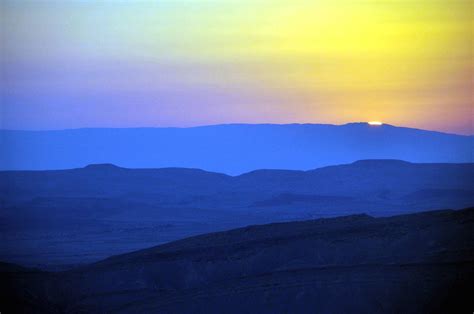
column 375, row 123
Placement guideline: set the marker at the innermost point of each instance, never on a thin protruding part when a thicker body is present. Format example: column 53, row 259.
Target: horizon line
column 367, row 123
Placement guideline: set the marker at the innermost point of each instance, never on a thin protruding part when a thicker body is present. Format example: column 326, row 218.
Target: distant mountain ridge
column 231, row 149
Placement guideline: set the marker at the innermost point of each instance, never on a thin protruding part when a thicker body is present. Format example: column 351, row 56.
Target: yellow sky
column 400, row 61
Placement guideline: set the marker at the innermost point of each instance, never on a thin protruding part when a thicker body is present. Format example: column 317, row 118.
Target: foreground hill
column 231, row 149
column 85, row 214
column 417, row 263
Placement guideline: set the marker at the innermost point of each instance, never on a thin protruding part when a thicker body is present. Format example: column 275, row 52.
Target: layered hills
column 85, row 214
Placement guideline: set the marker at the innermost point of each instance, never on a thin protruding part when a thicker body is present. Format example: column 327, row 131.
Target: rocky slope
column 417, row 263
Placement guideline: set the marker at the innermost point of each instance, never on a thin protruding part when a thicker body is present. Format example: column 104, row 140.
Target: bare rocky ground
column 416, row 263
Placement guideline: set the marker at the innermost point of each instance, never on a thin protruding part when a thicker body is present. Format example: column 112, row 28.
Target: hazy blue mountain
column 418, row 263
column 84, row 214
column 231, row 149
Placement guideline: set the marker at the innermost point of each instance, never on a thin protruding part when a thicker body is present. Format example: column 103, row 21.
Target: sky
column 72, row 64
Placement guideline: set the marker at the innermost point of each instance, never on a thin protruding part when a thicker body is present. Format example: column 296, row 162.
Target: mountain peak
column 372, row 162
column 367, row 124
column 104, row 166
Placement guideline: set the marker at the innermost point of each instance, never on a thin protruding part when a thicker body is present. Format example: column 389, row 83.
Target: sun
column 375, row 123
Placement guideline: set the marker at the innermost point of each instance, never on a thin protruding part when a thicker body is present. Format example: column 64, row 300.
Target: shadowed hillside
column 418, row 263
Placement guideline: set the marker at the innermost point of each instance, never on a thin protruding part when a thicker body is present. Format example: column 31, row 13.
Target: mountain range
column 231, row 149
column 294, row 218
column 74, row 216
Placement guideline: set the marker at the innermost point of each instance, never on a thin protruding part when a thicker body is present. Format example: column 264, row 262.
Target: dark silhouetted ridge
column 418, row 263
column 382, row 162
column 103, row 167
